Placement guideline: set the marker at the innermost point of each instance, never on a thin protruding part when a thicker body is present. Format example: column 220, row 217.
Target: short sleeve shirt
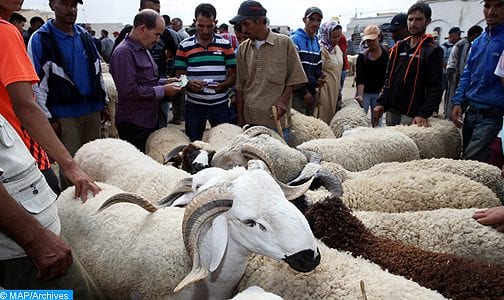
column 15, row 66
column 263, row 74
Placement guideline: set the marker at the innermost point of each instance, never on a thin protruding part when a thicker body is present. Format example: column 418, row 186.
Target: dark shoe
column 176, row 122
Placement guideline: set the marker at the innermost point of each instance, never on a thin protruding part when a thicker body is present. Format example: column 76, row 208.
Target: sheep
column 256, row 293
column 191, row 158
column 132, row 251
column 453, row 276
column 480, row 172
column 163, row 140
column 119, row 163
column 305, row 128
column 337, row 277
column 221, row 135
column 110, row 89
column 443, row 230
column 442, row 139
column 364, row 149
column 256, row 143
column 351, row 115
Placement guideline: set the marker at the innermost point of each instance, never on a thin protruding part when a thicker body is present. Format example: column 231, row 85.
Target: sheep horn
column 184, row 186
column 330, row 182
column 128, row 198
column 170, row 157
column 291, row 192
column 257, row 130
column 257, row 164
column 204, row 207
column 311, row 156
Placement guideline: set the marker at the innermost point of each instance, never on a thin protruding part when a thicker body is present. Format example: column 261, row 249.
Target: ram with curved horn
column 142, row 252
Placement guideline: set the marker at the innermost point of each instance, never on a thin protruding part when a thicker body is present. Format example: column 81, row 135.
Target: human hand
column 51, row 256
column 491, row 217
column 171, row 89
column 377, row 113
column 172, row 80
column 457, row 115
column 83, row 183
column 421, row 122
column 321, row 81
column 281, row 108
column 308, row 99
column 196, row 85
column 360, row 100
column 104, row 115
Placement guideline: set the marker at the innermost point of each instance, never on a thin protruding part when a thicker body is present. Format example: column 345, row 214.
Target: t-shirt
column 15, row 66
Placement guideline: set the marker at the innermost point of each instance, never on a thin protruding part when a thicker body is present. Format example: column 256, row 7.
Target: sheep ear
column 219, row 241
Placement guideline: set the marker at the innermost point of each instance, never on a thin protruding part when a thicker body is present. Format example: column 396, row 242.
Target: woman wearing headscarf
column 332, row 64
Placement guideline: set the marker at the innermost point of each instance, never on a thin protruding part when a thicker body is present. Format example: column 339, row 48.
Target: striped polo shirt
column 206, row 64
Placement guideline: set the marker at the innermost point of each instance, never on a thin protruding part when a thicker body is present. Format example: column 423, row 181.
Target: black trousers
column 135, row 135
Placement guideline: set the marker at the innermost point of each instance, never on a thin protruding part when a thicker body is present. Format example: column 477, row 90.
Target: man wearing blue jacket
column 480, row 91
column 305, row 98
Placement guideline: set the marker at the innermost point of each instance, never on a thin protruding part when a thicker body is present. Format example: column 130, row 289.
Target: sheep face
column 262, row 221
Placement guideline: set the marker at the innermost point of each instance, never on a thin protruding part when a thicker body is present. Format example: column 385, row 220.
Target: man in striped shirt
column 209, row 62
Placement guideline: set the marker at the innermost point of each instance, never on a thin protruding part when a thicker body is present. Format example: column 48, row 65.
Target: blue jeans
column 369, row 100
column 394, row 118
column 196, row 117
column 478, row 134
column 342, row 81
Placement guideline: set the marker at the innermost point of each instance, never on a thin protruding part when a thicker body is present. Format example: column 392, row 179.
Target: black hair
column 422, row 7
column 142, row 3
column 167, row 19
column 474, row 30
column 206, row 10
column 16, row 18
column 36, row 19
column 146, row 17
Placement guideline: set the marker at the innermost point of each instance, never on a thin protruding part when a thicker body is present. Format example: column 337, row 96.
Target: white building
column 449, row 13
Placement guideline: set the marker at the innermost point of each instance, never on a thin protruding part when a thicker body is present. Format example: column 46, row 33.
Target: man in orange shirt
column 18, row 106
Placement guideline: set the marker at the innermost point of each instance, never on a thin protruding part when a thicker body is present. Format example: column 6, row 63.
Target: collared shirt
column 138, row 86
column 478, row 83
column 208, row 64
column 263, row 74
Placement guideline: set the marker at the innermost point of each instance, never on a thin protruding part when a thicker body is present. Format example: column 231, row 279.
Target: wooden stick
column 363, row 290
column 277, row 121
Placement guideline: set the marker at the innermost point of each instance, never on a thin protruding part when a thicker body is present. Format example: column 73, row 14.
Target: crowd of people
column 52, row 99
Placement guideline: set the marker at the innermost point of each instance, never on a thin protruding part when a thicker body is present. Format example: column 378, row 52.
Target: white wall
column 463, row 14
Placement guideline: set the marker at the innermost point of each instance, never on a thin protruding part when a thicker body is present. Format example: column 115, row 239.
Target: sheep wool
column 364, row 148
column 111, row 91
column 337, row 277
column 348, row 117
column 221, row 135
column 256, row 293
column 305, row 128
column 163, row 140
column 442, row 139
column 117, row 162
column 443, row 230
column 480, row 172
column 414, row 191
column 152, row 240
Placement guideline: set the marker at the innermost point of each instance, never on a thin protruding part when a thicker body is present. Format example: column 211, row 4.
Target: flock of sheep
column 341, row 212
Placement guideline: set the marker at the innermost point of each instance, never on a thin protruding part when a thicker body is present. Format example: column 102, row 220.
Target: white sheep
column 117, row 162
column 256, row 293
column 305, row 128
column 221, row 135
column 442, row 139
column 337, row 277
column 363, row 148
column 351, row 115
column 163, row 140
column 134, row 252
column 111, row 91
column 443, row 230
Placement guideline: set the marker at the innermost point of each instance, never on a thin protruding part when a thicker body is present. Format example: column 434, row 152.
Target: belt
column 489, row 112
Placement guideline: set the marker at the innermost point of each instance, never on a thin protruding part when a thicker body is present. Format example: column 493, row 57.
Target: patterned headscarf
column 325, row 34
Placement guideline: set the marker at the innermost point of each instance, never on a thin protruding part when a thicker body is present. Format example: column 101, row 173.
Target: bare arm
column 239, row 108
column 39, row 128
column 50, row 255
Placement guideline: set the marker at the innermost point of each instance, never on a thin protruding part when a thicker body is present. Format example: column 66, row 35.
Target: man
column 139, row 87
column 96, row 40
column 163, row 52
column 178, row 27
column 18, row 21
column 455, row 66
column 305, row 39
column 398, row 27
column 414, row 72
column 35, row 23
column 71, row 91
column 209, row 62
column 224, row 32
column 106, row 44
column 268, row 69
column 480, row 92
column 454, row 35
column 351, row 45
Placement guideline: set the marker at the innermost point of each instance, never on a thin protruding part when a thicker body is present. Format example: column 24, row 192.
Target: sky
column 280, row 12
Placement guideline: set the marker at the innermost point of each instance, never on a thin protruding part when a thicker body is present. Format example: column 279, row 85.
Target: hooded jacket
column 309, row 53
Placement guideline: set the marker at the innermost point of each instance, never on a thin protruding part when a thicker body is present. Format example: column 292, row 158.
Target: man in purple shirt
column 139, row 87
